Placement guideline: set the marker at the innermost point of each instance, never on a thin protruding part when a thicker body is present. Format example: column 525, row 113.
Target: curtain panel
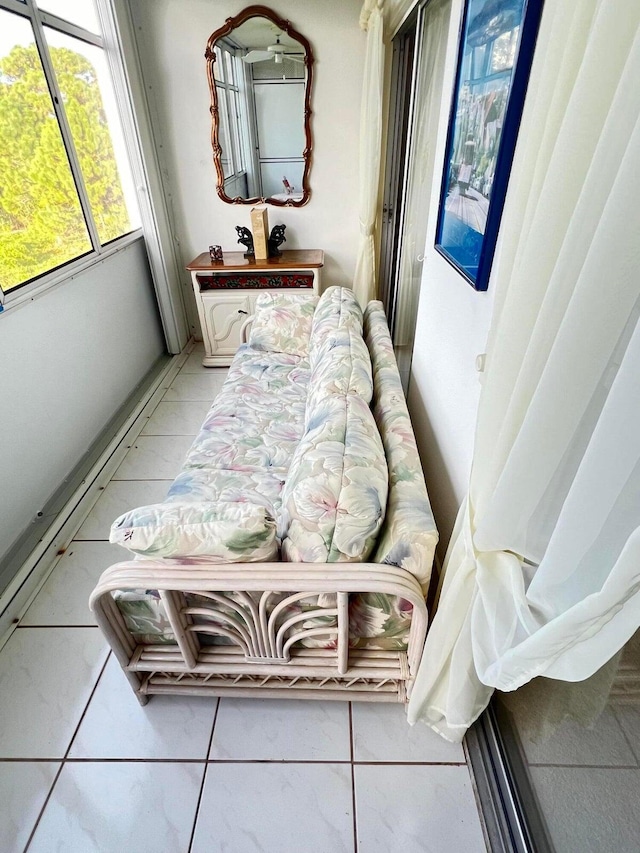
column 542, row 576
column 371, row 20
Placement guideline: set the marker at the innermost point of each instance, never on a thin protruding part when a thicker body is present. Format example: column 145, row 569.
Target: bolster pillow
column 224, row 532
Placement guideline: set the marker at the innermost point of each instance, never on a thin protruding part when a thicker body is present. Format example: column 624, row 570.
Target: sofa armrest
column 245, row 328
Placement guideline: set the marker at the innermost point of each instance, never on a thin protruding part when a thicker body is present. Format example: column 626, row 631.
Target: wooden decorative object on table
column 246, row 239
column 276, row 239
column 260, row 228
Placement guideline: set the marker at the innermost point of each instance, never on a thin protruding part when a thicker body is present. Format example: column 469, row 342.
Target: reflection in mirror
column 260, row 79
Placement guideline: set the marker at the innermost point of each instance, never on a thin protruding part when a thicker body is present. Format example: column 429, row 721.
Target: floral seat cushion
column 257, row 420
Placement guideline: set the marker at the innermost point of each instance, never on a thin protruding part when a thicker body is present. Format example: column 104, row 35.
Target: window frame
column 233, row 94
column 30, row 288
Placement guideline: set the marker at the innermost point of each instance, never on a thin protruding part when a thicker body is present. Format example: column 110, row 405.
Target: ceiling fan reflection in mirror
column 274, row 51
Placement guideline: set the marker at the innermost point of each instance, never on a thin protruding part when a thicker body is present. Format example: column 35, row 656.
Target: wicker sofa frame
column 262, row 658
column 261, row 655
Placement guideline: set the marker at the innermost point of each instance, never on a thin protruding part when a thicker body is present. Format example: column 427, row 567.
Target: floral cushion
column 409, row 536
column 144, row 615
column 282, row 322
column 256, row 421
column 337, row 308
column 223, row 532
column 336, row 490
column 263, row 488
column 342, row 366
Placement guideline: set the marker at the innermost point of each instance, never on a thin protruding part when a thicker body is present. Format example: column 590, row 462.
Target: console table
column 226, row 292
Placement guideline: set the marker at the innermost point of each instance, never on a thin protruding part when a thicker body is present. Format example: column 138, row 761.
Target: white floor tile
column 590, row 810
column 281, row 730
column 629, row 718
column 168, row 727
column 288, row 808
column 46, row 678
column 194, row 363
column 64, row 599
column 572, row 743
column 24, row 786
column 154, row 457
column 413, row 808
column 196, row 386
column 382, row 733
column 120, row 807
column 177, row 418
column 119, row 497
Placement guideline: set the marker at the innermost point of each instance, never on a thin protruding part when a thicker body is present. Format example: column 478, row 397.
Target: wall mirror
column 260, row 72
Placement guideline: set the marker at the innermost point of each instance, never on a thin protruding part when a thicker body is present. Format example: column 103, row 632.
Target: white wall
column 69, row 360
column 453, row 323
column 172, row 36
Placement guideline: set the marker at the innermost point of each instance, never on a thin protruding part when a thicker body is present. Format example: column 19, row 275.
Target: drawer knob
column 240, row 311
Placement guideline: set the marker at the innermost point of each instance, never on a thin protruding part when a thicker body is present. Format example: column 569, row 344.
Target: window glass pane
column 223, row 133
column 229, row 67
column 217, row 65
column 41, row 222
column 238, row 132
column 82, row 13
column 83, row 77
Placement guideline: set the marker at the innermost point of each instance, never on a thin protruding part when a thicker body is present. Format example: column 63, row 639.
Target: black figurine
column 276, row 239
column 246, row 238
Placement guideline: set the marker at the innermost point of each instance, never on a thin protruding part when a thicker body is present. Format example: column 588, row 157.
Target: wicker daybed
column 313, row 593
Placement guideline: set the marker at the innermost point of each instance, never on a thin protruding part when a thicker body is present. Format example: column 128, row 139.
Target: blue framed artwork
column 494, row 60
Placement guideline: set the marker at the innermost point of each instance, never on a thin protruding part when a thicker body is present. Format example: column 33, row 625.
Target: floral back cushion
column 409, row 536
column 335, row 495
column 342, row 366
column 337, row 308
column 282, row 322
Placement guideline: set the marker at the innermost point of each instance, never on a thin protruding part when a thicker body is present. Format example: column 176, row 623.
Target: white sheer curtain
column 542, row 576
column 371, row 20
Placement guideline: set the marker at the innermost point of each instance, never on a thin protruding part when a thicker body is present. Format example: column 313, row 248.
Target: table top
column 289, row 259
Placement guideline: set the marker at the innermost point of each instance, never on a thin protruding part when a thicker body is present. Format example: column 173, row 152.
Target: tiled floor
column 587, row 782
column 585, row 776
column 84, row 768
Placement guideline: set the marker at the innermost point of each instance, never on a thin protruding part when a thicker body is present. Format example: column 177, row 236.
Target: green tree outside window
column 41, row 221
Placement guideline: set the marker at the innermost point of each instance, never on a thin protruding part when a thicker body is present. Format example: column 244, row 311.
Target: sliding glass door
column 416, row 93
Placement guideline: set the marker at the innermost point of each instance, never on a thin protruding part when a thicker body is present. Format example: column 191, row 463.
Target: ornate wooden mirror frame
column 284, row 25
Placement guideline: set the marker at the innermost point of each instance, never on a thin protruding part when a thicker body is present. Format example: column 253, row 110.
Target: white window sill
column 35, row 289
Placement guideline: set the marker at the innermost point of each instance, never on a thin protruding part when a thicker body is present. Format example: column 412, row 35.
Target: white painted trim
column 19, row 594
column 63, row 26
column 397, row 15
column 122, row 53
column 26, row 294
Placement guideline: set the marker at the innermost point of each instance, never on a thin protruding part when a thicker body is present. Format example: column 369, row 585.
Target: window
column 228, row 74
column 66, row 189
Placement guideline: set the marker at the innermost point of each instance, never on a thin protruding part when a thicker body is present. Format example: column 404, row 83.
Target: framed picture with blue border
column 494, row 60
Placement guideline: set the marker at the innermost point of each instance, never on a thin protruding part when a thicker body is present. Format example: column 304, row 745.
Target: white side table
column 226, row 292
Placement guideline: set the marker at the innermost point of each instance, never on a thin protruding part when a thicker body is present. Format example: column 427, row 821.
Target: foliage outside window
column 65, row 185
